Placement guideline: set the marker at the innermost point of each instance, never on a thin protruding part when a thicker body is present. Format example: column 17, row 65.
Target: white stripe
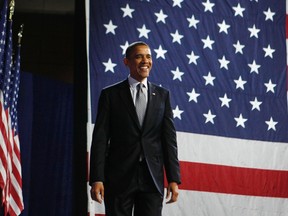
column 90, row 128
column 3, row 144
column 16, row 141
column 16, row 157
column 14, row 206
column 16, row 162
column 16, row 186
column 216, row 204
column 232, row 152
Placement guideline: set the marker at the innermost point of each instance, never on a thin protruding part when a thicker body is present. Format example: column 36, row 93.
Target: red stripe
column 234, row 180
column 4, row 163
column 11, row 212
column 4, row 135
column 3, row 131
column 2, row 155
column 16, row 174
column 17, row 195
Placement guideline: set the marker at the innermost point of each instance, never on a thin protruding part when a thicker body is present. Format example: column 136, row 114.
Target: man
column 130, row 145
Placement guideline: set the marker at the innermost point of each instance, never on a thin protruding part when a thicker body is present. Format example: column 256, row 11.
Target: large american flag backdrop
column 224, row 62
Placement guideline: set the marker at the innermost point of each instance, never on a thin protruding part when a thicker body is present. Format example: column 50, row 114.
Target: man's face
column 139, row 62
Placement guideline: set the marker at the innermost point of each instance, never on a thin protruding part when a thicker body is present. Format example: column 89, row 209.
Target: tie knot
column 140, row 86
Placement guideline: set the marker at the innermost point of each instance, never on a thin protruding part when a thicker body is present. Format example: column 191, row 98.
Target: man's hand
column 97, row 192
column 173, row 190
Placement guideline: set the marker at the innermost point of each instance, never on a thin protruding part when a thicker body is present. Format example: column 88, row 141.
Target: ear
column 125, row 60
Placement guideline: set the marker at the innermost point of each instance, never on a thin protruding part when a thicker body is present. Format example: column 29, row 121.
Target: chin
column 145, row 75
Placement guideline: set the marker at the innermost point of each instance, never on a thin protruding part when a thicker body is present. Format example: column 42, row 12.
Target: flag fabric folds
column 11, row 176
column 3, row 149
column 225, row 65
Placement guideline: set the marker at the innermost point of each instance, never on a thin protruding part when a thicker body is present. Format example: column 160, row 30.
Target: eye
column 141, row 56
column 138, row 56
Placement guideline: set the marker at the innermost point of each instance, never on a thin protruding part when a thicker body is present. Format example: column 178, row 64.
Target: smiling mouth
column 144, row 68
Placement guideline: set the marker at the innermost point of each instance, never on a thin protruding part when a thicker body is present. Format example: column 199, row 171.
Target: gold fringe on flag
column 11, row 9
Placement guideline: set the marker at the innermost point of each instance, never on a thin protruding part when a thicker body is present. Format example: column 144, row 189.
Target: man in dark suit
column 129, row 150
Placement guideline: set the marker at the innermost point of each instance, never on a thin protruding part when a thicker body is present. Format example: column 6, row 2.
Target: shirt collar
column 133, row 83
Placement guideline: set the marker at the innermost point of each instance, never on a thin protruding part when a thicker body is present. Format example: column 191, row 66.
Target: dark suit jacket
column 118, row 138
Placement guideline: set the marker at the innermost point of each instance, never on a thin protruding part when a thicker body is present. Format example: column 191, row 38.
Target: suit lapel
column 151, row 103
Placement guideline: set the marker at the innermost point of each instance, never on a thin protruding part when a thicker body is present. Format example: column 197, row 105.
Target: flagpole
column 20, row 35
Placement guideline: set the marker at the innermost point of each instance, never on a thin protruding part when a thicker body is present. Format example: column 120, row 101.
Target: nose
column 145, row 59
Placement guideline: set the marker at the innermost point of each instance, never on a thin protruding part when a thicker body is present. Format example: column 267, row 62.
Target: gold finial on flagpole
column 11, row 9
column 20, row 34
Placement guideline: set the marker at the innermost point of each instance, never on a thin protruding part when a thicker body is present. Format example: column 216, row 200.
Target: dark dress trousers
column 119, row 140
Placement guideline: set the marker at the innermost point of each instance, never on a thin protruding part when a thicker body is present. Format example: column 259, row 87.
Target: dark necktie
column 140, row 103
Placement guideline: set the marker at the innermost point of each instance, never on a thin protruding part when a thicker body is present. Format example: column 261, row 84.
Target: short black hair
column 131, row 47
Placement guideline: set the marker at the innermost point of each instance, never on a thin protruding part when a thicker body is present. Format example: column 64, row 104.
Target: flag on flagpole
column 16, row 196
column 225, row 65
column 5, row 78
column 11, row 176
column 3, row 149
column 6, row 105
